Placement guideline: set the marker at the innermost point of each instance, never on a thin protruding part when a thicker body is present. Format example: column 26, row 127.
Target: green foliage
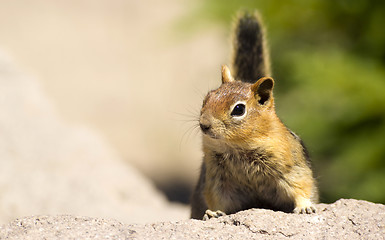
column 329, row 65
column 338, row 106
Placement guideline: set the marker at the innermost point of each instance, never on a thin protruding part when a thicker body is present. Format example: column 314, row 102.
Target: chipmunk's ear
column 263, row 90
column 226, row 75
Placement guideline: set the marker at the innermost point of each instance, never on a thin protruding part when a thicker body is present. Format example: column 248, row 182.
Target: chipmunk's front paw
column 213, row 214
column 303, row 210
column 304, row 206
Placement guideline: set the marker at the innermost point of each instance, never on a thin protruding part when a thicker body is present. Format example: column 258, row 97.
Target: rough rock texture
column 50, row 167
column 345, row 219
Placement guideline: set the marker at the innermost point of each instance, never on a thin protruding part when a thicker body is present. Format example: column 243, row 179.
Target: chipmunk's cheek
column 217, row 131
column 231, row 138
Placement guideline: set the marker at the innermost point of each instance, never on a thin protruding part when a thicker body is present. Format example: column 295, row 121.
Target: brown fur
column 253, row 161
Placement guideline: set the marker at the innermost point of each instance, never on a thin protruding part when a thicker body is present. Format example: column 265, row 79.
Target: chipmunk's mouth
column 211, row 135
column 208, row 131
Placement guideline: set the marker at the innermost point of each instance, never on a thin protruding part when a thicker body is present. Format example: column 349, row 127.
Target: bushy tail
column 250, row 53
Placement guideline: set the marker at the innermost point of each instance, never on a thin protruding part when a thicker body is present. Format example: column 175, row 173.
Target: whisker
column 186, row 135
column 185, row 118
column 193, row 111
column 199, row 93
column 196, row 130
column 190, row 114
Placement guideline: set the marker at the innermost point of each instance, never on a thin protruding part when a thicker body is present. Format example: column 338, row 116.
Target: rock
column 344, row 219
column 48, row 166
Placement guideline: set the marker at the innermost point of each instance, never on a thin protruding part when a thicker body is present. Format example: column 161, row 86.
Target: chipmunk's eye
column 239, row 110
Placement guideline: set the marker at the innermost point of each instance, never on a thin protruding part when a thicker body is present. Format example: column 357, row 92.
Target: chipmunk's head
column 237, row 111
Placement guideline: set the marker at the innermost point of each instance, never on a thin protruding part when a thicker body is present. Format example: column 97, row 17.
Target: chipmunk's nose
column 205, row 128
column 205, row 124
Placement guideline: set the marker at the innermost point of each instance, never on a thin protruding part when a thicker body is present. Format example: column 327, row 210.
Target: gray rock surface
column 48, row 166
column 345, row 219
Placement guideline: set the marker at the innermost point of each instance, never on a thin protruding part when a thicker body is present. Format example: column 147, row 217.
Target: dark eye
column 238, row 110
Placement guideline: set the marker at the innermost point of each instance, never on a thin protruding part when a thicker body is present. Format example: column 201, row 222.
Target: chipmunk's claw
column 305, row 210
column 213, row 214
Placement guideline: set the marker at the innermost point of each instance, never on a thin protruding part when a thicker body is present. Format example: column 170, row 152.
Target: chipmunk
column 251, row 159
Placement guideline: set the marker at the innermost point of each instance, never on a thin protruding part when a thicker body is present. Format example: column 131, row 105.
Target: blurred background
column 137, row 71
